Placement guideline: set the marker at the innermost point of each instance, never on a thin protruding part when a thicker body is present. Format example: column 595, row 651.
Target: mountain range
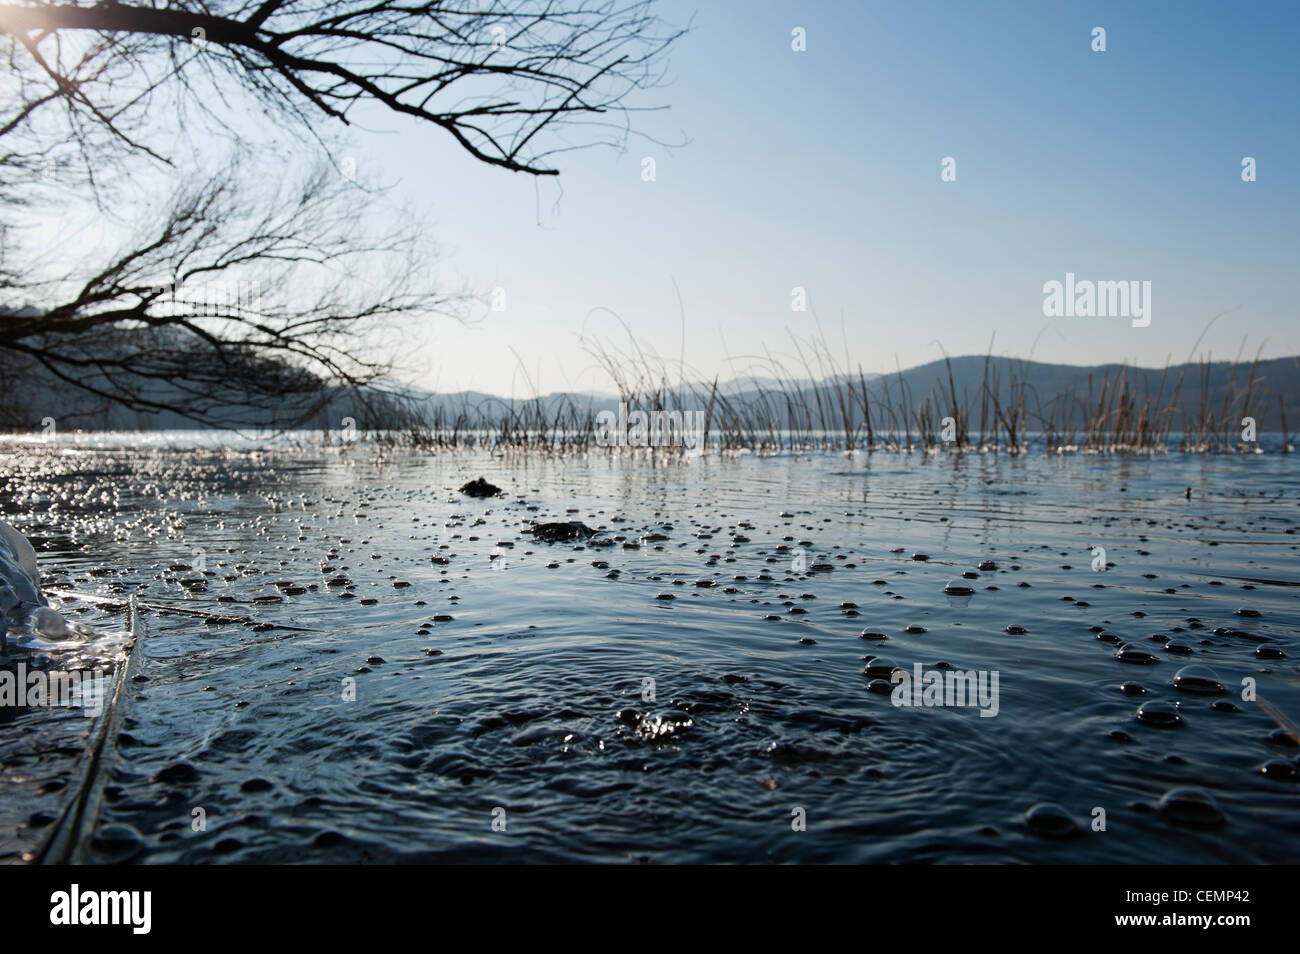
column 974, row 380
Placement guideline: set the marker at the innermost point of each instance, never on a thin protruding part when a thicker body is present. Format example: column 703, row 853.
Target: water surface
column 414, row 666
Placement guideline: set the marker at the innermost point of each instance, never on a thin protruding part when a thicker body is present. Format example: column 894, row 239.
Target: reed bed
column 823, row 406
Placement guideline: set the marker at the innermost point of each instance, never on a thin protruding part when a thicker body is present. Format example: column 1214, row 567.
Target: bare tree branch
column 215, row 311
column 492, row 73
column 96, row 93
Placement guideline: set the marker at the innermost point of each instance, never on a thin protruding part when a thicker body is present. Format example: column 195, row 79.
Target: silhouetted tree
column 245, row 295
column 97, row 96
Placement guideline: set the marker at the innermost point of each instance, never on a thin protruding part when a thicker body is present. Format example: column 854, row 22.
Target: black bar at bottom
column 331, row 904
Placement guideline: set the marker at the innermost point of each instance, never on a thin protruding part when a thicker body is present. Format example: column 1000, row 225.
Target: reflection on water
column 403, row 672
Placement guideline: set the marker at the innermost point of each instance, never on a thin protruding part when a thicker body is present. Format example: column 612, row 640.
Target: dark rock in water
column 880, row 668
column 560, row 532
column 1160, row 714
column 1240, row 633
column 1014, row 630
column 1201, row 680
column 176, row 773
column 1281, row 769
column 958, row 589
column 1051, row 820
column 117, row 842
column 1133, row 689
column 1191, row 806
column 1283, row 738
column 1223, row 705
column 480, row 488
column 1131, row 654
column 792, row 753
column 1269, row 652
column 880, row 687
column 255, row 785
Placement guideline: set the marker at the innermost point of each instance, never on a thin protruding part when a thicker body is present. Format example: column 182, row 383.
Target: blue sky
column 821, row 169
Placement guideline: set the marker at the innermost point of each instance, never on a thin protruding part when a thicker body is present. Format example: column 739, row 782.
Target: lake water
column 446, row 675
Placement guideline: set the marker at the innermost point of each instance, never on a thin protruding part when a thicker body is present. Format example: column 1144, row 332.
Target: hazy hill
column 1042, row 386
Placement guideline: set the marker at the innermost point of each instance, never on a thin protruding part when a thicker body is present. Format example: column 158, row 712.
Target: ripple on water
column 662, row 726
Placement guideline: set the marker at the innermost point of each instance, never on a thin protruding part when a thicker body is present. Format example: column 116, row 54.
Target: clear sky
column 821, row 169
